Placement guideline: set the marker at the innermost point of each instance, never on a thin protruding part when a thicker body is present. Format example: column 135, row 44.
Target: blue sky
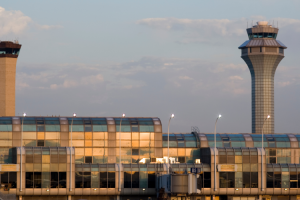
column 149, row 58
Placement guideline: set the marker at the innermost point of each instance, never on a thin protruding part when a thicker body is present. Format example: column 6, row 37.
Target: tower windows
column 261, row 35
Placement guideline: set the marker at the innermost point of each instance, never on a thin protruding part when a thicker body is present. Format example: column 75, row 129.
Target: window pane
column 54, row 179
column 277, row 180
column 143, row 179
column 230, row 179
column 223, row 179
column 135, row 179
column 111, row 179
column 270, row 177
column 78, row 180
column 127, row 180
column 246, row 179
column 293, row 180
column 37, row 179
column 254, row 179
column 45, row 179
column 103, row 179
column 86, row 179
column 95, row 179
column 4, row 179
column 285, row 179
column 238, row 179
column 13, row 179
column 29, row 179
column 151, row 180
column 62, row 182
column 207, row 180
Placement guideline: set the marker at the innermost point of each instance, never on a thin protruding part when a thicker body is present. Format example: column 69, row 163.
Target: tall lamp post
column 172, row 116
column 215, row 151
column 21, row 152
column 123, row 115
column 74, row 115
column 262, row 147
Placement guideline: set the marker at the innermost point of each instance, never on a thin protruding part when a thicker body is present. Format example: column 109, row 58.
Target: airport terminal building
column 58, row 163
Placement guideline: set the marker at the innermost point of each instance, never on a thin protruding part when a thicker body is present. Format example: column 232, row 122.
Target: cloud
column 212, row 31
column 236, row 78
column 48, row 27
column 185, row 78
column 13, row 23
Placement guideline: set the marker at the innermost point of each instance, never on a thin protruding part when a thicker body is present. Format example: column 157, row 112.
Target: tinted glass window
column 135, row 180
column 127, row 180
column 103, row 179
column 87, row 179
column 270, row 177
column 111, row 179
column 29, row 179
column 151, row 179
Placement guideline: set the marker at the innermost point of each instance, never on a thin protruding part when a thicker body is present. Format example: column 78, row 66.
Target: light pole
column 74, row 115
column 123, row 115
column 172, row 116
column 21, row 152
column 262, row 147
column 215, row 151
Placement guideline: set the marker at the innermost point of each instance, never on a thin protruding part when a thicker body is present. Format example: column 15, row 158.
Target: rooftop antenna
column 277, row 24
column 247, row 24
column 252, row 23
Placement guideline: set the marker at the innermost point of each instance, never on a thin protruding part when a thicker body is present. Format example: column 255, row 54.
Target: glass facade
column 94, row 143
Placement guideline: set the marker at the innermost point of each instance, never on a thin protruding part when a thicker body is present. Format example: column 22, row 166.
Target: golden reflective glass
column 173, row 152
column 27, row 143
column 238, row 159
column 62, row 167
column 40, row 135
column 144, row 136
column 88, row 135
column 126, row 143
column 99, row 151
column 188, row 152
column 45, row 158
column 135, row 143
column 124, row 151
column 29, row 135
column 124, row 136
column 6, row 135
column 77, row 143
column 135, row 136
column 79, row 151
column 45, row 167
column 77, row 135
column 5, row 143
column 29, row 167
column 254, row 168
column 88, row 143
column 99, row 143
column 52, row 135
column 239, row 167
column 152, row 136
column 181, row 152
column 165, row 152
column 144, row 143
column 100, row 135
column 88, row 151
column 54, row 167
column 37, row 167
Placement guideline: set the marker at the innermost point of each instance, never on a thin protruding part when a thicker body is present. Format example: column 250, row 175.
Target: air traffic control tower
column 9, row 52
column 262, row 53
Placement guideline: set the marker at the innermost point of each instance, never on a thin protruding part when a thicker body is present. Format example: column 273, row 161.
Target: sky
column 149, row 59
